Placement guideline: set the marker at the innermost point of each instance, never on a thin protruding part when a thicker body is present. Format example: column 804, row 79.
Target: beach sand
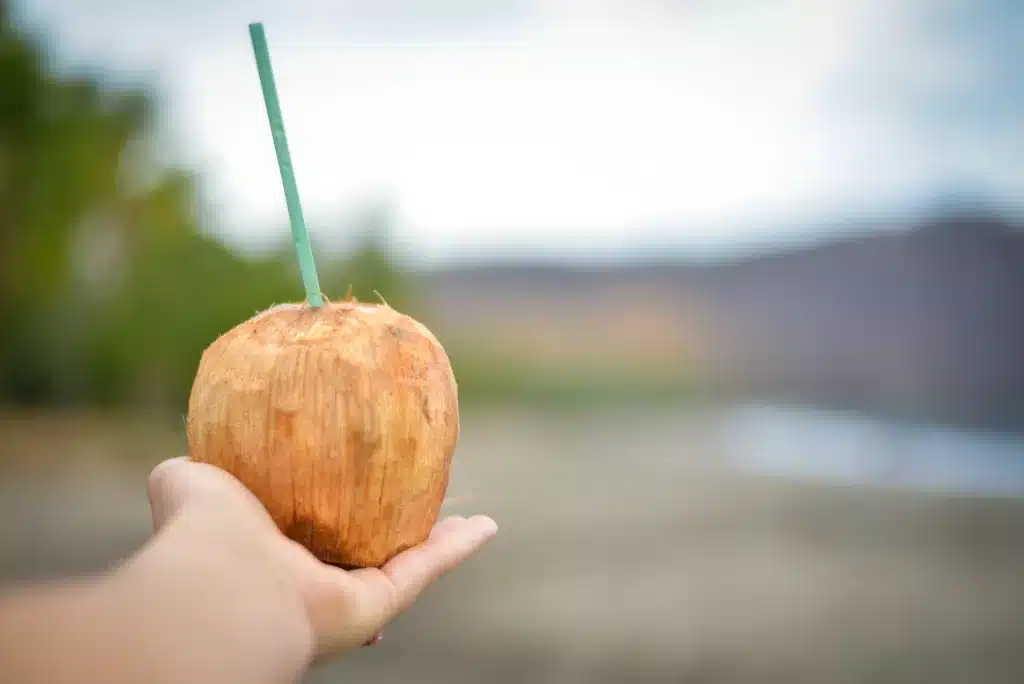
column 626, row 555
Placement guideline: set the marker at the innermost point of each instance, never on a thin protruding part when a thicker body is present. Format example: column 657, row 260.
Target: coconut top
column 368, row 335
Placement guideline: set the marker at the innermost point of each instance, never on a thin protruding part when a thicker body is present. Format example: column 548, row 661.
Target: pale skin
column 218, row 594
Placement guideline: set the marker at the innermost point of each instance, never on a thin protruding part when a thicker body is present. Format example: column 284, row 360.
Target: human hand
column 344, row 609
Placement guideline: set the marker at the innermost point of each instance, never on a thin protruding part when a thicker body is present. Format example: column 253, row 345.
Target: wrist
column 216, row 597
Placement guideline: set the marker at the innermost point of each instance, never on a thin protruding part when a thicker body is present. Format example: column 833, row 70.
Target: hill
column 925, row 322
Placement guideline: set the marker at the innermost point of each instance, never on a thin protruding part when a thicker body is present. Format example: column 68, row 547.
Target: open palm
column 345, row 609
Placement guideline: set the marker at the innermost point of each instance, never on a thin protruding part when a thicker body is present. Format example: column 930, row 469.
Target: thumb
column 167, row 489
column 181, row 481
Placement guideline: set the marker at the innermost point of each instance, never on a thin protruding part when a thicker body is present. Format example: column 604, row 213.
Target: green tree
column 109, row 289
column 63, row 141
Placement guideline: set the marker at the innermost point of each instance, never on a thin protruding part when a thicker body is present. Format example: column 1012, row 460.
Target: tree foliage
column 109, row 287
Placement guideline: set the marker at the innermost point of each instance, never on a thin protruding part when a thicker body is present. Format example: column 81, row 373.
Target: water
column 848, row 448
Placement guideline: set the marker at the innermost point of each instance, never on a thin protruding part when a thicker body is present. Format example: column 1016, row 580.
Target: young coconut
column 342, row 419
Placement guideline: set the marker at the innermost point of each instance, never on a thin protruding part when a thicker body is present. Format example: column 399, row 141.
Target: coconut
column 341, row 419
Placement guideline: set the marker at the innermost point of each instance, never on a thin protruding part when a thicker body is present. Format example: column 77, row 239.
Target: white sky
column 538, row 127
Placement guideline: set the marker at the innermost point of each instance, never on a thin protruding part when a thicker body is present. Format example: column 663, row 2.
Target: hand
column 344, row 609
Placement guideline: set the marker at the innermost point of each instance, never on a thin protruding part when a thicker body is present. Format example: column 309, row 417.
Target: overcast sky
column 578, row 128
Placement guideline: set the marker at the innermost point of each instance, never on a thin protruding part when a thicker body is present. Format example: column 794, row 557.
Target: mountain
column 926, row 321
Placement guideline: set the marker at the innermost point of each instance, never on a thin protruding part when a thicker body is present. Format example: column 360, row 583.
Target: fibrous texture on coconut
column 341, row 419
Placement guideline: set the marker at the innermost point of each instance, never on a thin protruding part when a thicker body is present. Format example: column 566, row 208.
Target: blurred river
column 848, row 448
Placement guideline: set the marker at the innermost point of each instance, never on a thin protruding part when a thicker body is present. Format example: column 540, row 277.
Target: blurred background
column 734, row 292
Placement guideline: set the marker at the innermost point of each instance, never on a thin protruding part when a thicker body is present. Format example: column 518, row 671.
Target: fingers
column 353, row 607
column 449, row 545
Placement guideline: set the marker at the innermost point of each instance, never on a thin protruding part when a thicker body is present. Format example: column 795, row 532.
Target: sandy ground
column 625, row 557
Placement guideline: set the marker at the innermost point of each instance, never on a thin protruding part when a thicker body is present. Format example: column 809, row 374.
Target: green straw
column 307, row 266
